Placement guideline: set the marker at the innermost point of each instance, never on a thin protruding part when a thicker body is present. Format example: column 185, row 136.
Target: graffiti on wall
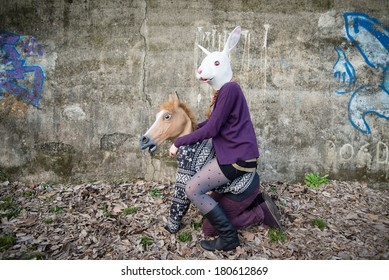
column 373, row 157
column 371, row 40
column 16, row 76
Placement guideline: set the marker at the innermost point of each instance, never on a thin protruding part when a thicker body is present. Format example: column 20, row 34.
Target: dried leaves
column 108, row 221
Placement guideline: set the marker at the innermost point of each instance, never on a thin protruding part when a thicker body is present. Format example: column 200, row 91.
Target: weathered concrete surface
column 109, row 64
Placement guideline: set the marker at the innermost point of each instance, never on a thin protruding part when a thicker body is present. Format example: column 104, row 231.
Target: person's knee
column 190, row 191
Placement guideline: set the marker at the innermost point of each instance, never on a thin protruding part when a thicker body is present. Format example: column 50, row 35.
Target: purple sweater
column 229, row 126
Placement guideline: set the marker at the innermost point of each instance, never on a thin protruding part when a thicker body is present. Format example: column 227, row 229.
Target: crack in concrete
column 143, row 32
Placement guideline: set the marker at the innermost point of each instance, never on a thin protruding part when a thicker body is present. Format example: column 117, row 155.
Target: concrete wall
column 81, row 80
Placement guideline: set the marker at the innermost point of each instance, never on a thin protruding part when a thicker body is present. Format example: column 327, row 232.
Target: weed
column 320, row 223
column 276, row 235
column 185, row 237
column 314, row 180
column 3, row 176
column 282, row 202
column 6, row 203
column 196, row 225
column 106, row 213
column 7, row 241
column 9, row 208
column 49, row 221
column 146, row 241
column 47, row 185
column 155, row 193
column 131, row 210
column 28, row 194
column 56, row 210
column 272, row 189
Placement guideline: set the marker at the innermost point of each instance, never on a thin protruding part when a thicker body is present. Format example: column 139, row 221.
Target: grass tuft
column 7, row 241
column 320, row 223
column 146, row 241
column 130, row 210
column 155, row 193
column 313, row 179
column 185, row 237
column 276, row 235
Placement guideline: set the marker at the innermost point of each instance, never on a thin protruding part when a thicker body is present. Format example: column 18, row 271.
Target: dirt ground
column 338, row 220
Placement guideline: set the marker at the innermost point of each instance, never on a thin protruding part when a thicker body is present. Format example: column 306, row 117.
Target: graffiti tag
column 16, row 77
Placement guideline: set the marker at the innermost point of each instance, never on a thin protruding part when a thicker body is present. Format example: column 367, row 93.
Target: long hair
column 215, row 93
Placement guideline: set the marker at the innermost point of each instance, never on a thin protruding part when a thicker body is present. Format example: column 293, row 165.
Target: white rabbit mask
column 215, row 69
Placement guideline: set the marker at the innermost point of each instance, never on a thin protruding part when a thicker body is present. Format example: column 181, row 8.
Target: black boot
column 228, row 236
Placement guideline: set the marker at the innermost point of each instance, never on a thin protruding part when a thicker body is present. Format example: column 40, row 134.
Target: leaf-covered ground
column 338, row 220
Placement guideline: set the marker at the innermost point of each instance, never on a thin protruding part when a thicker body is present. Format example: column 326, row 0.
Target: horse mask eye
column 217, row 63
column 167, row 116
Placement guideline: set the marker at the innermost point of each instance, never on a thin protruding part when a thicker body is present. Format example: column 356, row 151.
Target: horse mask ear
column 174, row 98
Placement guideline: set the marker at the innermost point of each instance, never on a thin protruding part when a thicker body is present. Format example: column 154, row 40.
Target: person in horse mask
column 233, row 136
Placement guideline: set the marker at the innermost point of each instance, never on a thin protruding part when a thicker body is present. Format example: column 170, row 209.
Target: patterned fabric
column 191, row 158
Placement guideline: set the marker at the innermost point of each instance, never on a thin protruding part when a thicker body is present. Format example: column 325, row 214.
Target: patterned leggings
column 208, row 178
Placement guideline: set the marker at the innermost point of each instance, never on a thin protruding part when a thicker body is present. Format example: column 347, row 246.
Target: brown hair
column 215, row 93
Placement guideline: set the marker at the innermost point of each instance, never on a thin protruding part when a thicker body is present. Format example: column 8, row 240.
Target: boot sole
column 274, row 212
column 204, row 244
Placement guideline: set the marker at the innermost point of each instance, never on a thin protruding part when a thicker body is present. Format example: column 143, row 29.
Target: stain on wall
column 371, row 40
column 17, row 77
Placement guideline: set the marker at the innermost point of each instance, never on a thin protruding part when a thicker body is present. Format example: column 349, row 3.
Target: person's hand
column 173, row 151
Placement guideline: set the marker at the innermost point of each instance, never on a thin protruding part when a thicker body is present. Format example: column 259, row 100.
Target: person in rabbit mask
column 233, row 136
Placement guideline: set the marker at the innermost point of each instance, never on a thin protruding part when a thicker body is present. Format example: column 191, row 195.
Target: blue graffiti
column 344, row 72
column 371, row 39
column 17, row 78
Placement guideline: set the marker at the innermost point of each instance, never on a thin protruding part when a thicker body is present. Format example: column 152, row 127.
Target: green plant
column 185, row 237
column 6, row 203
column 276, row 235
column 313, row 179
column 155, row 193
column 105, row 210
column 49, row 221
column 320, row 223
column 196, row 225
column 9, row 208
column 282, row 202
column 131, row 210
column 272, row 189
column 3, row 176
column 56, row 210
column 47, row 185
column 7, row 241
column 146, row 241
column 28, row 194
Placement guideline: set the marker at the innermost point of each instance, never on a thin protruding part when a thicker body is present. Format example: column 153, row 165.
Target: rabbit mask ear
column 232, row 40
column 207, row 52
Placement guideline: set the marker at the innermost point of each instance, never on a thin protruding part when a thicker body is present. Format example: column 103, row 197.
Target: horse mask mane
column 175, row 102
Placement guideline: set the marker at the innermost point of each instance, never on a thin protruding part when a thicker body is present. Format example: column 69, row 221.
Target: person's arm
column 211, row 128
column 202, row 123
